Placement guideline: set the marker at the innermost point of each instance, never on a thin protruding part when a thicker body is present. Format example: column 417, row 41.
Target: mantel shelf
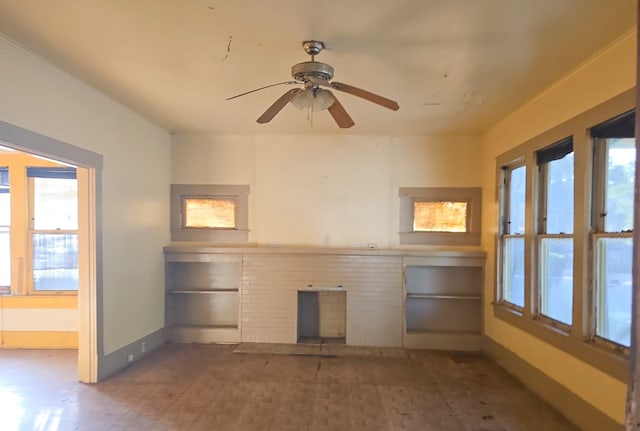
column 201, row 291
column 437, row 296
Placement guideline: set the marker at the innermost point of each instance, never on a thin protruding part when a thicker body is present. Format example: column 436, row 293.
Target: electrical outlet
column 130, row 357
column 144, row 347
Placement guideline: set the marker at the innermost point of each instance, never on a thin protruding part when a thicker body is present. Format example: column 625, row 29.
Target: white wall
column 606, row 75
column 135, row 182
column 326, row 190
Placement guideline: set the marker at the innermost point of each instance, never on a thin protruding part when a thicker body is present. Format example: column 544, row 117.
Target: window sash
column 5, row 259
column 54, row 271
column 217, row 212
column 53, row 267
column 554, row 286
column 604, row 189
column 65, row 173
column 440, row 220
column 507, row 203
column 4, row 179
column 512, row 290
column 612, row 305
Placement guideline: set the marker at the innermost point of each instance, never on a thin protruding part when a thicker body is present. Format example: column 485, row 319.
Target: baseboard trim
column 574, row 408
column 119, row 359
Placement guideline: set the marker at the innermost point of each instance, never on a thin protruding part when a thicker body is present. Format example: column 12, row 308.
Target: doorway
column 88, row 166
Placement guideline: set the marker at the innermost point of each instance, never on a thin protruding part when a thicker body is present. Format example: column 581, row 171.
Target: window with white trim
column 5, row 238
column 577, row 239
column 612, row 227
column 210, row 213
column 555, row 231
column 512, row 203
column 53, row 229
column 440, row 215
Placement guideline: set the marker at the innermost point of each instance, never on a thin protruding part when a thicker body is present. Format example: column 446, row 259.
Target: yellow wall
column 334, row 190
column 40, row 321
column 606, row 75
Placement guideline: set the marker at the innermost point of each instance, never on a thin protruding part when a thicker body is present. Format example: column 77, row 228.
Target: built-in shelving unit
column 203, row 297
column 443, row 302
column 428, row 299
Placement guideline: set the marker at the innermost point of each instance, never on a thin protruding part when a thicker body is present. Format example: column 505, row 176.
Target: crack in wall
column 228, row 49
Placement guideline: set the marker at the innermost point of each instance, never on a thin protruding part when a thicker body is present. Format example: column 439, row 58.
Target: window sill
column 613, row 363
column 440, row 238
column 40, row 301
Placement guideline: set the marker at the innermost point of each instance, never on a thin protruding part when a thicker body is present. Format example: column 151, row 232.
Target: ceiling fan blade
column 371, row 97
column 278, row 105
column 262, row 88
column 339, row 114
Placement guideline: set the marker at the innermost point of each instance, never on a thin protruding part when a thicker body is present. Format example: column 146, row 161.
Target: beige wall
column 325, row 190
column 607, row 74
column 135, row 182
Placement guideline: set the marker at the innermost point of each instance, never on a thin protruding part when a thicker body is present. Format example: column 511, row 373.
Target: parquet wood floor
column 208, row 388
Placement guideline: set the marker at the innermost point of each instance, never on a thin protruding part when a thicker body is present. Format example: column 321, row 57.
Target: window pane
column 5, row 222
column 5, row 207
column 440, row 216
column 613, row 289
column 556, row 278
column 560, row 195
column 55, row 204
column 5, row 258
column 621, row 158
column 517, row 182
column 209, row 213
column 513, row 271
column 55, row 261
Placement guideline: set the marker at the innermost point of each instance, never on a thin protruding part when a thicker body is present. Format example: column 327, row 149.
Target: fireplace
column 322, row 316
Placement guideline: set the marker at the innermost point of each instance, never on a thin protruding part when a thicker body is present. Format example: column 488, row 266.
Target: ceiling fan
column 314, row 78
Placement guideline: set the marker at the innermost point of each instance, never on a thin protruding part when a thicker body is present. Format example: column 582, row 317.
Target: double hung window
column 612, row 225
column 53, row 228
column 512, row 234
column 5, row 224
column 555, row 231
column 565, row 238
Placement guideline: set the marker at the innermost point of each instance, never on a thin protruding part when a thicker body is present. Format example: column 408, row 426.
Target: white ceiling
column 454, row 66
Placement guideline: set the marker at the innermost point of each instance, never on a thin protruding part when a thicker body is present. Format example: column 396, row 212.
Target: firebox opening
column 322, row 317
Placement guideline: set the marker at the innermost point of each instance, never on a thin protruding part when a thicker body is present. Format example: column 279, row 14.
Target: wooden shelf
column 203, row 298
column 205, row 326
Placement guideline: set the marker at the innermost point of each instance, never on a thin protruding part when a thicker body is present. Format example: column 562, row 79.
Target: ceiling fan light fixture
column 314, row 76
column 314, row 99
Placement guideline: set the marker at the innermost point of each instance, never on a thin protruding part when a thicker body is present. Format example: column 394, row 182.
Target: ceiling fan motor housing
column 311, row 69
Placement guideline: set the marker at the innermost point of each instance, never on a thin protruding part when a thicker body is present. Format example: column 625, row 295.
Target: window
column 555, row 229
column 210, row 213
column 440, row 216
column 564, row 274
column 436, row 216
column 53, row 228
column 612, row 225
column 512, row 234
column 5, row 224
